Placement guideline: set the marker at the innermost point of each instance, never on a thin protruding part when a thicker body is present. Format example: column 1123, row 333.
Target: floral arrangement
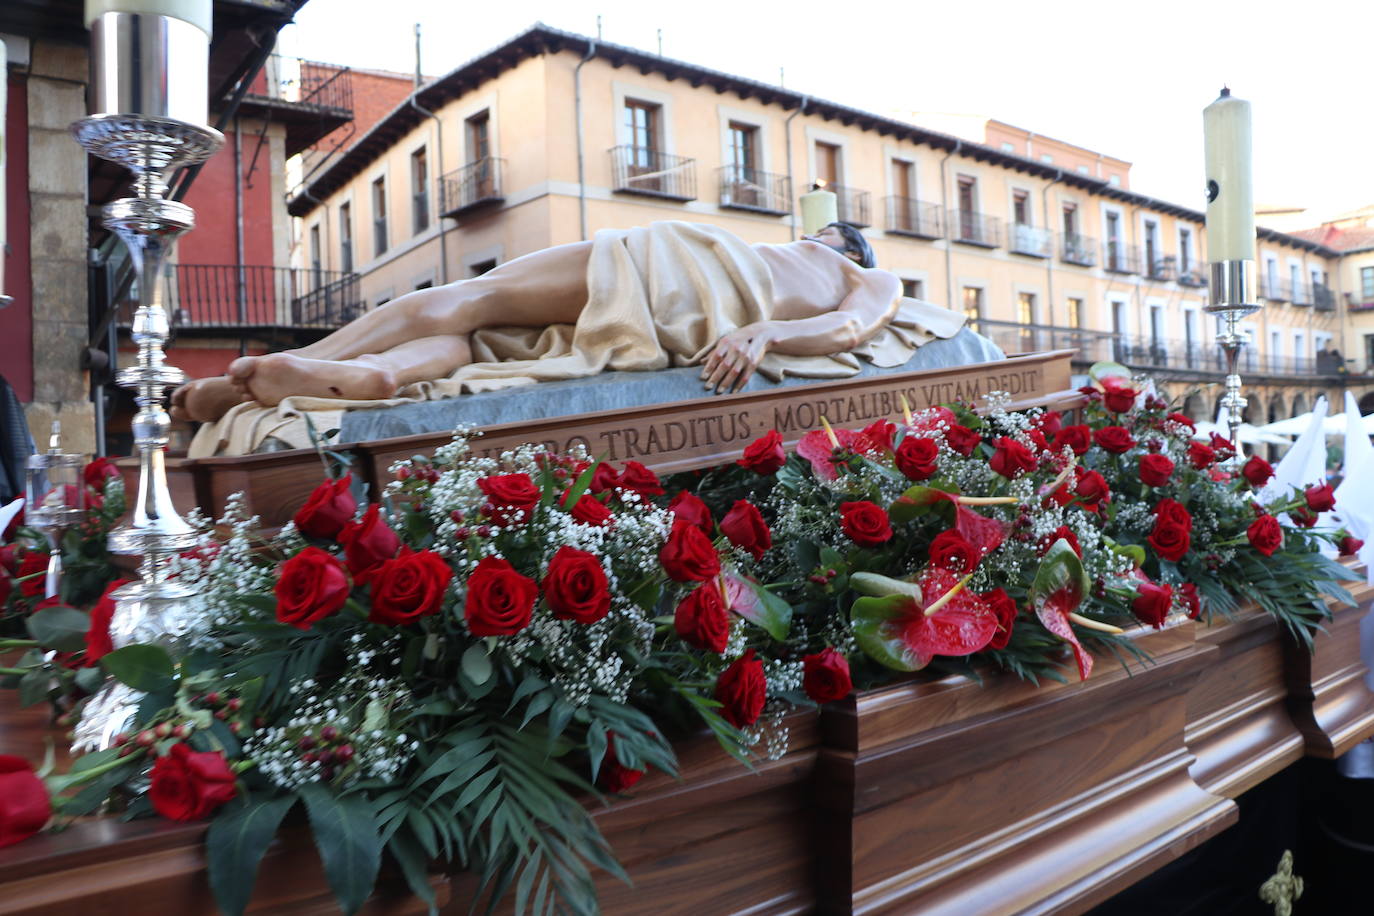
column 448, row 673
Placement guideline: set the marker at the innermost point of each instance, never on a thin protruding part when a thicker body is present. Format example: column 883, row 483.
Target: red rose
column 1169, row 540
column 1173, row 512
column 408, row 587
column 368, row 543
column 588, row 510
column 1182, row 420
column 1188, row 597
column 765, row 455
column 6, row 585
column 614, row 776
column 741, row 690
column 689, row 555
column 1223, row 447
column 24, row 803
column 876, row 437
column 825, row 676
column 188, row 785
column 1051, row 422
column 1011, row 458
column 865, row 523
column 640, row 479
column 1001, row 604
column 15, row 524
column 1350, row 545
column 310, row 586
column 1062, row 533
column 962, row 439
column 1152, row 602
column 512, row 497
column 1115, row 439
column 1200, row 456
column 98, row 471
column 1257, row 471
column 604, row 478
column 1155, row 470
column 951, row 550
column 1303, row 517
column 1116, row 397
column 576, row 587
column 33, row 573
column 1078, row 438
column 746, row 529
column 688, row 508
column 329, row 507
column 9, row 559
column 500, row 600
column 1320, row 498
column 701, row 619
column 98, row 643
column 1265, row 535
column 1091, row 487
column 916, row 457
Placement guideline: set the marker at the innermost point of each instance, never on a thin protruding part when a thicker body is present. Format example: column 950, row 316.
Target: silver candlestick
column 149, row 95
column 55, row 494
column 1230, row 299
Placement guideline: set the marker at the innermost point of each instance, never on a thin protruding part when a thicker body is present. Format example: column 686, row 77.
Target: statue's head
column 848, row 241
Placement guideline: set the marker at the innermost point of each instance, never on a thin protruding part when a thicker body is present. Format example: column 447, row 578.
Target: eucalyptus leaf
column 477, row 664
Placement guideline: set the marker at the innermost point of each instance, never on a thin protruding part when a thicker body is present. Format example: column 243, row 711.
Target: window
column 1115, row 254
column 346, row 237
column 1025, row 315
column 1151, row 246
column 744, row 145
column 827, row 163
column 1185, row 250
column 1047, row 158
column 424, row 284
column 1271, row 277
column 1008, row 147
column 1020, row 207
column 968, row 190
column 1299, row 345
column 481, row 267
column 1114, row 181
column 914, row 289
column 904, row 215
column 316, row 254
column 1189, row 335
column 419, row 191
column 1075, row 317
column 1369, row 349
column 1367, row 284
column 1295, row 278
column 1071, row 220
column 379, row 239
column 903, row 183
column 973, row 305
column 1156, row 326
column 641, row 125
column 481, row 182
column 1084, row 170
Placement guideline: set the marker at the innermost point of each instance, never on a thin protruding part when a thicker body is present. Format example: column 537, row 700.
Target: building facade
column 553, row 136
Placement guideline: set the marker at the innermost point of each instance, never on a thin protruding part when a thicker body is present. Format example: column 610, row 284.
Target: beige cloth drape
column 658, row 296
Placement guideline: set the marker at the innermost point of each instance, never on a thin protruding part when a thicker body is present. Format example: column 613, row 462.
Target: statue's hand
column 735, row 357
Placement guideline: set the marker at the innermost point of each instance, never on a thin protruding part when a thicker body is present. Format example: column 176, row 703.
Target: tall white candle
column 819, row 209
column 1231, row 196
column 196, row 12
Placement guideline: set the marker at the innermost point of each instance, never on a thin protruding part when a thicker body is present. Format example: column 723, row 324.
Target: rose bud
column 1320, row 498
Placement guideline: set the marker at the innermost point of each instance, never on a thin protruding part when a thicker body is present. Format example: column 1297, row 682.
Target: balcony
column 1031, row 241
column 971, row 228
column 1078, row 249
column 214, row 296
column 476, row 185
column 1192, row 276
column 310, row 98
column 1092, row 346
column 852, row 205
column 640, row 170
column 1160, row 268
column 754, row 190
column 1120, row 258
column 1302, row 294
column 1274, row 290
column 1323, row 298
column 916, row 218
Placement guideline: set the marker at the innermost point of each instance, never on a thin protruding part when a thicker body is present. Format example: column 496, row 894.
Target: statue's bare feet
column 276, row 376
column 206, row 399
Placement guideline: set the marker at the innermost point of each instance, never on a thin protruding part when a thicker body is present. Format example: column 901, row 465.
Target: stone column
column 58, row 236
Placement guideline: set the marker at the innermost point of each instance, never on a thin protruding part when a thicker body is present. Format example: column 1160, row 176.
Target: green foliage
column 143, row 667
column 235, row 844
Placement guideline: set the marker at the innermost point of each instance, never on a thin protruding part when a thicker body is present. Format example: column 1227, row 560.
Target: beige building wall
column 1024, row 283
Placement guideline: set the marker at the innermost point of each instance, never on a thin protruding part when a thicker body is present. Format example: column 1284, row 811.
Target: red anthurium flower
column 817, row 448
column 876, row 437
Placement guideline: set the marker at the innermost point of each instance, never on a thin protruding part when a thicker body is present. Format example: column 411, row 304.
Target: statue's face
column 830, row 237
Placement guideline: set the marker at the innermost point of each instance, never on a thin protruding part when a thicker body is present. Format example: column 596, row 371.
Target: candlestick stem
column 1230, row 292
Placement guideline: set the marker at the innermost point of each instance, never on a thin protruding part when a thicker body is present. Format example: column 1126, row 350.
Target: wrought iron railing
column 744, row 188
column 1092, row 346
column 1193, row 276
column 1078, row 249
column 1030, row 240
column 475, row 184
column 1120, row 258
column 304, row 82
column 640, row 170
column 973, row 228
column 228, row 296
column 908, row 216
column 1302, row 294
column 1160, row 268
column 1323, row 298
column 852, row 205
column 1274, row 290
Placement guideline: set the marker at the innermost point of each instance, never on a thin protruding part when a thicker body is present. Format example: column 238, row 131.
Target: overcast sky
column 1128, row 80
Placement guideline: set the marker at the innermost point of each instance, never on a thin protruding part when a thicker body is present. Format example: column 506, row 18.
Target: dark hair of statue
column 855, row 243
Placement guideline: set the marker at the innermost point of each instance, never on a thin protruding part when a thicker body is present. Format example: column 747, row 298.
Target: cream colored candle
column 196, row 12
column 819, row 209
column 1231, row 209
